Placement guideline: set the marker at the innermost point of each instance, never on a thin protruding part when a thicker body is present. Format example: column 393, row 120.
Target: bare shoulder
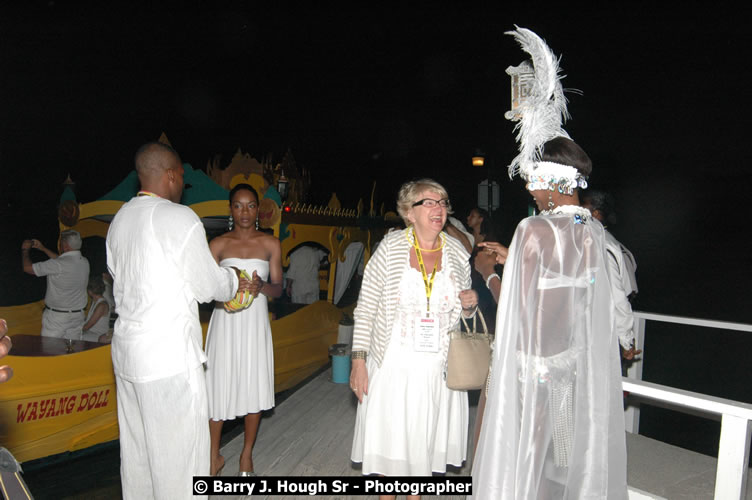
column 219, row 242
column 219, row 245
column 270, row 242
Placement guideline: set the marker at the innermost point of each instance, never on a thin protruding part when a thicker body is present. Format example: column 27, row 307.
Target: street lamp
column 282, row 185
column 488, row 191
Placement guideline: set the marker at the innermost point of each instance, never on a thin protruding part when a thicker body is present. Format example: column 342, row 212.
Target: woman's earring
column 256, row 223
column 230, row 223
column 550, row 201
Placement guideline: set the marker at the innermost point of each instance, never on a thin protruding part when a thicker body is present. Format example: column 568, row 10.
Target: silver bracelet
column 488, row 280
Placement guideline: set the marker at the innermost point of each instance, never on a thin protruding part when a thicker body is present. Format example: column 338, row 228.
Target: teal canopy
column 198, row 188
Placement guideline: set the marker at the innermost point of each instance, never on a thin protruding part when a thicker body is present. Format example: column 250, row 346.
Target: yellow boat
column 62, row 397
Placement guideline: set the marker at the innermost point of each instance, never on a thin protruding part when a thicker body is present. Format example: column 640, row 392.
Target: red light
column 287, row 208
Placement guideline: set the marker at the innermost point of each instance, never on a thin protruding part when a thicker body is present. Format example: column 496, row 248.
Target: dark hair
column 488, row 229
column 602, row 201
column 240, row 187
column 96, row 285
column 567, row 152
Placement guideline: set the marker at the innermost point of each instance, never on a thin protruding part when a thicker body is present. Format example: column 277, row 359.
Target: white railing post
column 733, row 456
column 634, row 372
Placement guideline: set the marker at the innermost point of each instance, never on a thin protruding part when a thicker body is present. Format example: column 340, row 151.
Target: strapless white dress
column 240, row 365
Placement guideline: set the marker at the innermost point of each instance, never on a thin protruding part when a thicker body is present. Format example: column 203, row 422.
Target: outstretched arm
column 25, row 259
column 38, row 245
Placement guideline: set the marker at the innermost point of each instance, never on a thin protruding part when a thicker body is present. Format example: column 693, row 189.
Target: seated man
column 67, row 275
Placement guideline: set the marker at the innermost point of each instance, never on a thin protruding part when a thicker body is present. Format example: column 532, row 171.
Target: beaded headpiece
column 539, row 111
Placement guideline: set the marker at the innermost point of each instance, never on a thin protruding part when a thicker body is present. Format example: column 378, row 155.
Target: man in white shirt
column 303, row 274
column 67, row 276
column 161, row 266
column 600, row 205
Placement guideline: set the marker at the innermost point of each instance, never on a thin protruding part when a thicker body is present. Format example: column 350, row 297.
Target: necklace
column 147, row 193
column 414, row 242
column 581, row 215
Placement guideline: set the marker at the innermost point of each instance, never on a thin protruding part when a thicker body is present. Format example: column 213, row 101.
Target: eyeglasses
column 429, row 203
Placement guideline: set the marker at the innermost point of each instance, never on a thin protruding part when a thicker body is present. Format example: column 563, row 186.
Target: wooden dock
column 310, row 434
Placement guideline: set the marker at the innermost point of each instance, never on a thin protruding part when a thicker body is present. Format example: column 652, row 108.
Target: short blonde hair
column 410, row 191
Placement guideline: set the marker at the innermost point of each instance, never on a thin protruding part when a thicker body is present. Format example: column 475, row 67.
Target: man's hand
column 37, row 244
column 630, row 353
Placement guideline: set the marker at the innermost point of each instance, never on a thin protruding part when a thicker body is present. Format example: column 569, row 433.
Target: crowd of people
column 561, row 268
column 550, row 421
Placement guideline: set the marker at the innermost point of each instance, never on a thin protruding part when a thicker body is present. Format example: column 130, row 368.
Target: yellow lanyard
column 426, row 281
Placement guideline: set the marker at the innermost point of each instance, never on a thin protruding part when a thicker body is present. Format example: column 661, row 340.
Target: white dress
column 411, row 423
column 240, row 364
column 553, row 426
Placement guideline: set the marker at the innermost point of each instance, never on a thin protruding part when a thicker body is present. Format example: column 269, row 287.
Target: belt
column 63, row 310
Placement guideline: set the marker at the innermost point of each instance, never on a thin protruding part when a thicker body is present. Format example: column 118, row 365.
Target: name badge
column 427, row 334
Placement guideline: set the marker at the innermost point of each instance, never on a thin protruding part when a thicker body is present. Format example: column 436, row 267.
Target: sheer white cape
column 554, row 424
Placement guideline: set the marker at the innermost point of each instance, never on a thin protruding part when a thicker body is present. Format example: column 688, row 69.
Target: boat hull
column 67, row 402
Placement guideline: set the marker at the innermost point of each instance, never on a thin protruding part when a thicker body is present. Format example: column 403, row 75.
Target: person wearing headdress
column 553, row 425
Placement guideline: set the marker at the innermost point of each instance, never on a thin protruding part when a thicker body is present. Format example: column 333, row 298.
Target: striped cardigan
column 379, row 292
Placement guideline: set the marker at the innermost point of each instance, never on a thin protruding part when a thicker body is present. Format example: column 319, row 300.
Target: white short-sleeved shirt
column 161, row 266
column 67, row 278
column 304, row 271
column 620, row 289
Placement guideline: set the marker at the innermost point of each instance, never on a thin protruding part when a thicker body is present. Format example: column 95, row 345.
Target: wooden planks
column 310, row 434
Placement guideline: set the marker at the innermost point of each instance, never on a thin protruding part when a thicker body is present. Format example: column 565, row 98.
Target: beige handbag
column 469, row 356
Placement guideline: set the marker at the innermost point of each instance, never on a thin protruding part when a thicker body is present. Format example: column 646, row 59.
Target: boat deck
column 310, row 434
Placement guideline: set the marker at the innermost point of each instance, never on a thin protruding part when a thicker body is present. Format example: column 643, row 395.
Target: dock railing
column 734, row 445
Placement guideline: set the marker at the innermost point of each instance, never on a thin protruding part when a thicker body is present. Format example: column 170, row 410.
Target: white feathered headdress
column 541, row 114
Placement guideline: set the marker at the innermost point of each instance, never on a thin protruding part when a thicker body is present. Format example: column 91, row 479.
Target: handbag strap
column 482, row 322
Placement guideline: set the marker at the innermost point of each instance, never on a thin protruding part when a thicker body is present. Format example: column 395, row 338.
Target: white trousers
column 65, row 325
column 164, row 436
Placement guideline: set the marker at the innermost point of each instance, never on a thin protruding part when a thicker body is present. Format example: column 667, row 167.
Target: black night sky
column 362, row 95
column 387, row 94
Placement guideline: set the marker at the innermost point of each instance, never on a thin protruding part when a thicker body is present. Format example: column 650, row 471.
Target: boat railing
column 736, row 417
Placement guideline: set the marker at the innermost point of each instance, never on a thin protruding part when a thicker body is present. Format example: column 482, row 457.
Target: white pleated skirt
column 410, row 423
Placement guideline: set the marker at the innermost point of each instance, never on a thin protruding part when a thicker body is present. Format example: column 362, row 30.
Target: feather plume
column 544, row 111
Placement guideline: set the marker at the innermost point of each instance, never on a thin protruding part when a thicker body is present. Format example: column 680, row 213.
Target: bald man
column 160, row 262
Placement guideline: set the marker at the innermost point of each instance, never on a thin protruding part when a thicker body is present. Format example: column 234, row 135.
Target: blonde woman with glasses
column 414, row 289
